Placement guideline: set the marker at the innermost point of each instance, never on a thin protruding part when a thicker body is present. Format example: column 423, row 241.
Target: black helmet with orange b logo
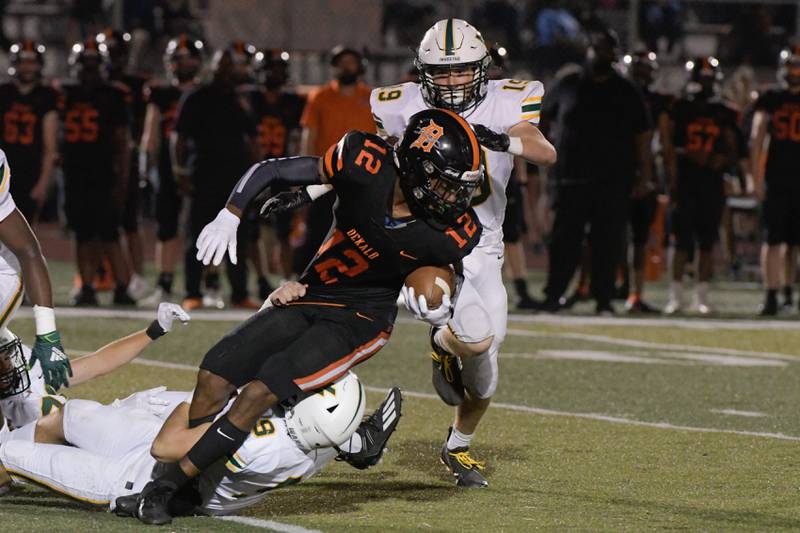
column 439, row 160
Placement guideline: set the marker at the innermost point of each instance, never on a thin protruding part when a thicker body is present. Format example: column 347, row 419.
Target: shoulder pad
column 390, row 107
column 520, row 100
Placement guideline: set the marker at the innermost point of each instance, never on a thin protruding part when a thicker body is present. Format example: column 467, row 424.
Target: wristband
column 315, row 191
column 154, row 330
column 514, row 146
column 45, row 319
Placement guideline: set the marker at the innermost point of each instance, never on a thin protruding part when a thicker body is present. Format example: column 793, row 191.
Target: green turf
column 546, row 472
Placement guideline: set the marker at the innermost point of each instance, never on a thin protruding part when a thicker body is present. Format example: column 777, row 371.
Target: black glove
column 496, row 142
column 285, row 201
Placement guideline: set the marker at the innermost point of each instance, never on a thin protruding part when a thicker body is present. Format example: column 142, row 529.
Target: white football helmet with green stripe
column 330, row 416
column 452, row 49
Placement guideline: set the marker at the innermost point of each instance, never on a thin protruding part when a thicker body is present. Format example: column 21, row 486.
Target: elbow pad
column 288, row 171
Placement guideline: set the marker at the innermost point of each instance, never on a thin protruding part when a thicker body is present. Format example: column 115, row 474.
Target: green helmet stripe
column 448, row 38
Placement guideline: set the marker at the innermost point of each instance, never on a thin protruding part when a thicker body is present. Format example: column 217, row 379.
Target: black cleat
column 375, row 431
column 446, row 374
column 121, row 297
column 769, row 308
column 527, row 303
column 126, row 505
column 86, row 297
column 152, row 506
column 464, row 468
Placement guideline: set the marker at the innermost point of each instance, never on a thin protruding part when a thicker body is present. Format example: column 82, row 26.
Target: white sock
column 702, row 292
column 675, row 290
column 438, row 338
column 458, row 440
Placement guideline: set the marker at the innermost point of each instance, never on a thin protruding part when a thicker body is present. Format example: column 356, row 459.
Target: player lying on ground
column 100, row 454
column 397, row 210
column 24, row 394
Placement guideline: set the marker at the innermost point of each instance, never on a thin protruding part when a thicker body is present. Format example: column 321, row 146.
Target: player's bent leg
column 108, row 430
column 76, row 473
column 211, row 394
column 50, row 428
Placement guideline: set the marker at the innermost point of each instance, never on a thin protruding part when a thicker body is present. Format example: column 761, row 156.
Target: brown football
column 433, row 283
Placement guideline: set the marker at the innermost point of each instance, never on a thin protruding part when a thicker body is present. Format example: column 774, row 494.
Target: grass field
column 597, row 425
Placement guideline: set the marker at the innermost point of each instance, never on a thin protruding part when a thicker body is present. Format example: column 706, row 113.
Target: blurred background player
column 96, row 162
column 117, row 47
column 182, row 61
column 333, row 110
column 514, row 226
column 213, row 145
column 277, row 114
column 601, row 129
column 702, row 146
column 30, row 126
column 775, row 159
column 642, row 67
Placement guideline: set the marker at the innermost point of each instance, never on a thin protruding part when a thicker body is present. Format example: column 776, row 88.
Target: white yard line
column 538, row 410
column 270, row 525
column 650, row 345
column 736, row 412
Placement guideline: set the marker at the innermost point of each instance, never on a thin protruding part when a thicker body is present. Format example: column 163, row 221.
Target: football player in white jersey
column 22, row 267
column 24, row 394
column 102, row 454
column 452, row 61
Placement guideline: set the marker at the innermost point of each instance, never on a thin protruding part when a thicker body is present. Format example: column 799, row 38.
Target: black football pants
column 604, row 209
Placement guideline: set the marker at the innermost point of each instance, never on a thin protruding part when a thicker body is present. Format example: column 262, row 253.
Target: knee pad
column 480, row 374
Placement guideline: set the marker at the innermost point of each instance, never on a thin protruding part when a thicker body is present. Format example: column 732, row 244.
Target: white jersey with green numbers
column 507, row 103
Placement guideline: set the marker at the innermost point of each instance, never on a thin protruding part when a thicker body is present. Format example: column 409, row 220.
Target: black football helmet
column 641, row 66
column 86, row 59
column 183, row 57
column 25, row 50
column 272, row 67
column 439, row 162
column 14, row 376
column 117, row 45
column 705, row 76
column 499, row 66
column 789, row 66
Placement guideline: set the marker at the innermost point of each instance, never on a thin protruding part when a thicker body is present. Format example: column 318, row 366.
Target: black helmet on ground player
column 789, row 66
column 439, row 160
column 23, row 51
column 14, row 377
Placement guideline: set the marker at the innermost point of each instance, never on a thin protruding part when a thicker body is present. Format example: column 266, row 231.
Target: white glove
column 418, row 306
column 218, row 236
column 167, row 313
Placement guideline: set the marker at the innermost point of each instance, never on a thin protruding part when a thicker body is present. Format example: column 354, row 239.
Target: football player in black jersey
column 775, row 159
column 398, row 210
column 277, row 113
column 95, row 159
column 642, row 66
column 702, row 144
column 116, row 45
column 30, row 126
column 182, row 61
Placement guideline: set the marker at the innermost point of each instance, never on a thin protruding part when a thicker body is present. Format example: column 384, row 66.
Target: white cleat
column 138, row 287
column 673, row 307
column 213, row 299
column 157, row 297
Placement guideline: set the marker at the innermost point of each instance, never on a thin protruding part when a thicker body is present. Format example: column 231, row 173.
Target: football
column 433, row 283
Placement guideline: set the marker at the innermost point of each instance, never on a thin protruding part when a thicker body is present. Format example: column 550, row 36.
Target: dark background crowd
column 128, row 122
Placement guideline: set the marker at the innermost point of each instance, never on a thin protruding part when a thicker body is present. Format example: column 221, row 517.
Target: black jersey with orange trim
column 783, row 154
column 275, row 118
column 90, row 116
column 368, row 254
column 699, row 126
column 22, row 137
